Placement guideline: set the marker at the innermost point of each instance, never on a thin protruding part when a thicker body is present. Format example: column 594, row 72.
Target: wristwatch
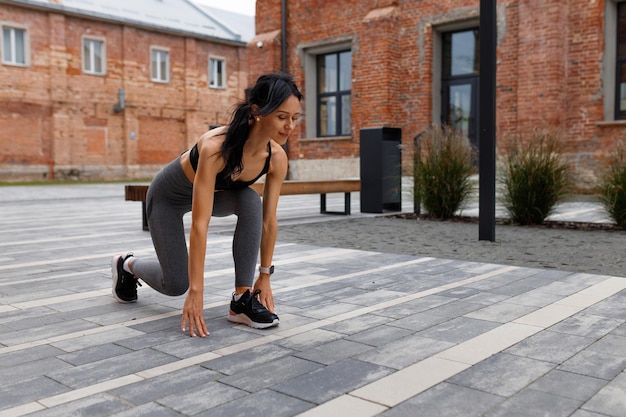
column 266, row 270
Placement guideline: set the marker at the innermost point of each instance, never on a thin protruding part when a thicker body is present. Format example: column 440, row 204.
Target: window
column 94, row 59
column 620, row 70
column 459, row 81
column 14, row 45
column 334, row 84
column 159, row 65
column 217, row 73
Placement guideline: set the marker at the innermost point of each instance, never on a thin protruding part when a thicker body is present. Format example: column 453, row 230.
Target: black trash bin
column 381, row 169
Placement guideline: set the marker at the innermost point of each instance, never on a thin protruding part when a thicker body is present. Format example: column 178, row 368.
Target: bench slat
column 139, row 192
column 314, row 187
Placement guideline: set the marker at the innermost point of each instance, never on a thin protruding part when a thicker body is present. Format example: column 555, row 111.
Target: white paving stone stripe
column 63, row 239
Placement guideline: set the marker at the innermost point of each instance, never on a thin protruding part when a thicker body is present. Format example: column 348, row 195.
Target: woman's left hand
column 266, row 298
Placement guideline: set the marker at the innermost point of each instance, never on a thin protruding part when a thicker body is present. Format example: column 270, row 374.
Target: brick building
column 408, row 64
column 110, row 89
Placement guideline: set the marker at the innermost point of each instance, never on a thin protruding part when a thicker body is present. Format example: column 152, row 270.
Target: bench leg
column 144, row 217
column 346, row 210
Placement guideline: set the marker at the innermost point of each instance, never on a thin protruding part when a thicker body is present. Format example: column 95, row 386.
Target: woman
column 212, row 179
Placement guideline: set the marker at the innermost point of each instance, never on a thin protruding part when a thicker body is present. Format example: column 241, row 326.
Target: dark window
column 620, row 102
column 334, row 84
column 459, row 82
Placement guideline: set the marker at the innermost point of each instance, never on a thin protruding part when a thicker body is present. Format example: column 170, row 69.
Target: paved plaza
column 364, row 331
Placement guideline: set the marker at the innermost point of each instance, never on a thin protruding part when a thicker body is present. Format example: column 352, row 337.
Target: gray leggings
column 169, row 198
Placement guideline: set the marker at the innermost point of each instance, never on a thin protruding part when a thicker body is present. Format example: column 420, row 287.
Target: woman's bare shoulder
column 211, row 141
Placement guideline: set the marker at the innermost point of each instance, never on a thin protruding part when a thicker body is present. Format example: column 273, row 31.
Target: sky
column 238, row 6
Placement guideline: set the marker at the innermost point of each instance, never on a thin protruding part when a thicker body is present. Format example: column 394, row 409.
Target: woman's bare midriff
column 186, row 165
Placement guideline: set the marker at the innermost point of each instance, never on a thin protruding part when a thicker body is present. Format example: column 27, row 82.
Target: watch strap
column 266, row 270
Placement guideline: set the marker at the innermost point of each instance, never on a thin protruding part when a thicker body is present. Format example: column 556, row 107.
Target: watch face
column 271, row 269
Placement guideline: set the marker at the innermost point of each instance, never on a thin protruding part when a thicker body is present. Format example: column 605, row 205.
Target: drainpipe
column 283, row 11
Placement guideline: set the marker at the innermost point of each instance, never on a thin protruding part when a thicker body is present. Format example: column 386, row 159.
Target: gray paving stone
column 584, row 413
column 610, row 400
column 250, row 358
column 48, row 331
column 535, row 403
column 587, row 325
column 614, row 307
column 551, row 346
column 455, row 308
column 458, row 330
column 266, row 403
column 153, row 389
column 502, row 374
column 358, row 324
column 307, row 340
column 404, row 352
column 568, row 385
column 595, row 364
column 94, row 372
column 334, row 380
column 201, row 398
column 31, row 354
column 147, row 410
column 26, row 371
column 446, row 400
column 85, row 342
column 502, row 312
column 611, row 344
column 416, row 306
column 272, row 373
column 620, row 331
column 334, row 351
column 418, row 321
column 379, row 335
column 92, row 406
column 22, row 392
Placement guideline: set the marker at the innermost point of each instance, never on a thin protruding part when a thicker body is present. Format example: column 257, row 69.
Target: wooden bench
column 346, row 186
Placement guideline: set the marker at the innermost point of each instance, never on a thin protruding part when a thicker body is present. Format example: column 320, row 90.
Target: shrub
column 613, row 188
column 442, row 175
column 535, row 178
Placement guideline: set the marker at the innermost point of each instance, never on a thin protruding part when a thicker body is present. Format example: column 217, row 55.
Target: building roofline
column 130, row 22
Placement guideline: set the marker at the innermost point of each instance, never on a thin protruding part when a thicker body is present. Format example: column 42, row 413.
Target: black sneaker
column 249, row 310
column 124, row 283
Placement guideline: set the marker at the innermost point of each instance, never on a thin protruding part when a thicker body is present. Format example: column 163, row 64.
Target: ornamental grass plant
column 535, row 176
column 612, row 187
column 443, row 164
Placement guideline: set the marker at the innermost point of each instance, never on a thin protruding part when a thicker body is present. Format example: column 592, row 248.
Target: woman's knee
column 175, row 289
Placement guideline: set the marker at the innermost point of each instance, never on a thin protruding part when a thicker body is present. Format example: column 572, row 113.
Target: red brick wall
column 54, row 118
column 549, row 63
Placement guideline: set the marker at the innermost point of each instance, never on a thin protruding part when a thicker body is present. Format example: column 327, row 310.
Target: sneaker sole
column 243, row 319
column 116, row 278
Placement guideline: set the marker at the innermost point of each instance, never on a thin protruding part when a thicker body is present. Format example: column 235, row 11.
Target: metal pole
column 487, row 122
column 283, row 32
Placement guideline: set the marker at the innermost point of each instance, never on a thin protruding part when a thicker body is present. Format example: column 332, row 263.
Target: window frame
column 158, row 78
column 15, row 27
column 309, row 54
column 337, row 94
column 102, row 41
column 222, row 62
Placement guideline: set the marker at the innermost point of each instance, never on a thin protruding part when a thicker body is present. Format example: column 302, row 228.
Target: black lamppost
column 487, row 122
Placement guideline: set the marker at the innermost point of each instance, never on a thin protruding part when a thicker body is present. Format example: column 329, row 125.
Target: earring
column 258, row 119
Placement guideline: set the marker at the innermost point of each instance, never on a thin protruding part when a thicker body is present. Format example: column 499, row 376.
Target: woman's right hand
column 193, row 315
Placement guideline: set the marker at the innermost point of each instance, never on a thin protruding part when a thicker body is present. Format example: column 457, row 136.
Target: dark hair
column 269, row 92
